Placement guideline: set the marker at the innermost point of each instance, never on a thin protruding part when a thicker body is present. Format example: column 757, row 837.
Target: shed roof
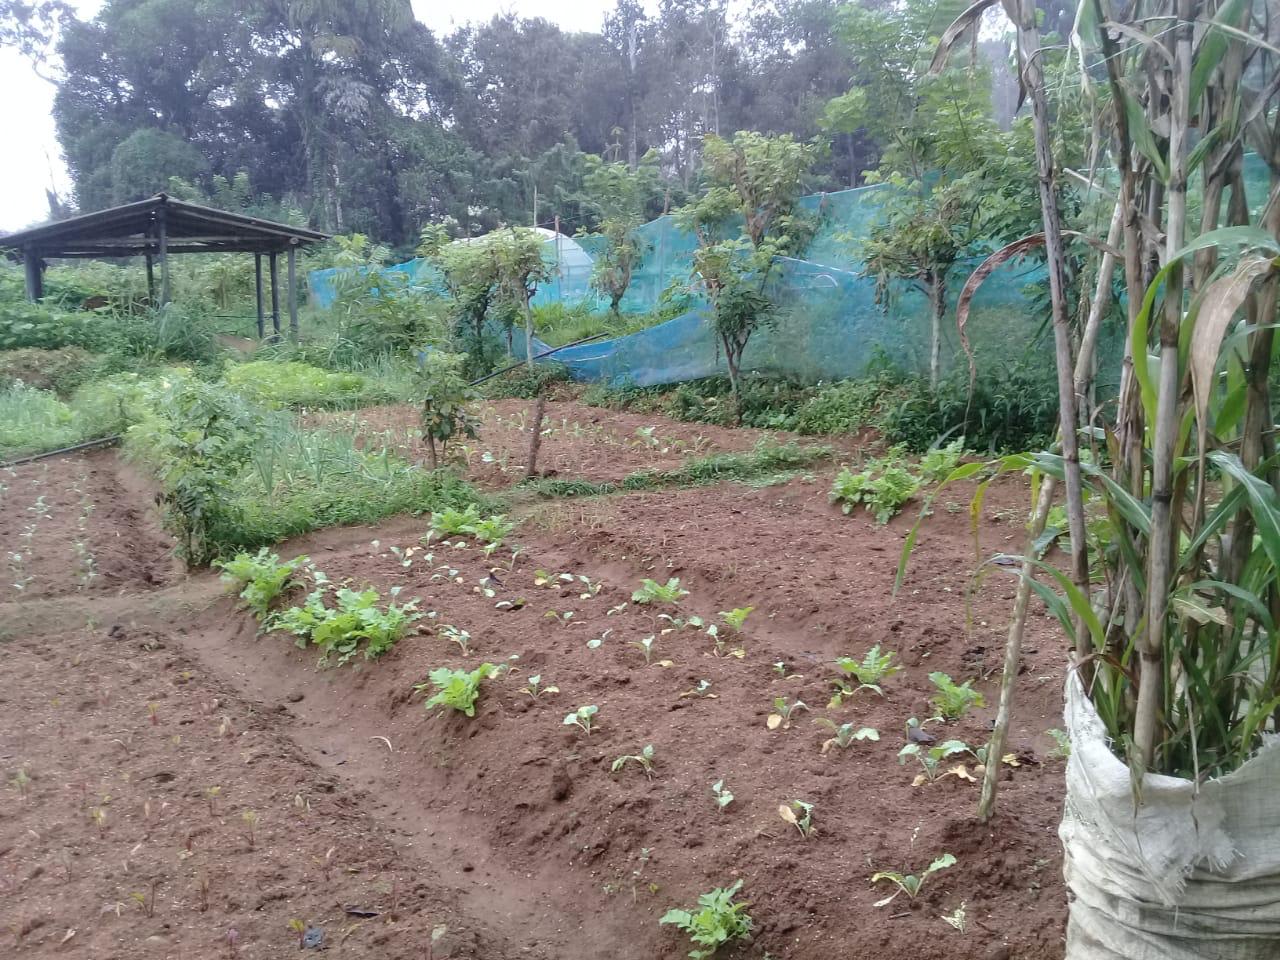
column 134, row 229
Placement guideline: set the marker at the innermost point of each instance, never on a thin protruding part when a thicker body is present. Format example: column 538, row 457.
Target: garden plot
column 79, row 524
column 520, row 792
column 740, row 753
column 579, row 441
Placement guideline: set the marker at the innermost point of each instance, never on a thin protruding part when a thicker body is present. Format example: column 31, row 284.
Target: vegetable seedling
column 457, row 635
column 652, row 592
column 535, row 689
column 785, row 711
column 250, row 819
column 869, row 672
column 931, row 758
column 644, row 758
column 800, row 815
column 953, row 700
column 583, row 717
column 717, row 921
column 845, row 734
column 457, row 689
column 910, row 884
column 645, row 645
column 722, row 794
column 735, row 618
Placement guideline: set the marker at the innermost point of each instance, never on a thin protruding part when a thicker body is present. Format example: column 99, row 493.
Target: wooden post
column 274, row 269
column 34, row 274
column 257, row 289
column 164, row 256
column 293, row 291
column 151, row 279
column 535, row 439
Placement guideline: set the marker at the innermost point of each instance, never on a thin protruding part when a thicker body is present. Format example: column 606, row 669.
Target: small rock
column 998, row 951
column 561, row 786
column 295, row 697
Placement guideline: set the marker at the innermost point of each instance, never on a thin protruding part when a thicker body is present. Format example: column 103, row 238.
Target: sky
column 32, row 161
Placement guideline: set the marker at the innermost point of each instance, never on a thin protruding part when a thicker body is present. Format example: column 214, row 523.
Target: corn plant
column 953, row 700
column 910, row 884
column 644, row 760
column 583, row 718
column 845, row 734
column 456, row 689
column 717, row 921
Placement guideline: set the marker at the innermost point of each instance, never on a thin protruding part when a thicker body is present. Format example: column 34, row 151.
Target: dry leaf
column 666, row 663
column 773, row 721
column 1011, row 759
column 787, row 814
column 961, row 771
column 71, row 932
column 920, row 779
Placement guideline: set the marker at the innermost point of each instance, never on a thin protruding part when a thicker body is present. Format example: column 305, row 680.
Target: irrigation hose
column 87, row 445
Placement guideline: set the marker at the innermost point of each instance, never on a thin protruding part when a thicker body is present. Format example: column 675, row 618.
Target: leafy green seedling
column 1062, row 750
column 250, row 819
column 931, row 759
column 722, row 794
column 953, row 701
column 652, row 592
column 872, row 670
column 535, row 688
column 845, row 734
column 260, row 578
column 910, row 884
column 456, row 688
column 645, row 645
column 800, row 815
column 596, row 642
column 644, row 758
column 938, row 462
column 785, row 712
column 957, row 917
column 583, row 717
column 565, row 617
column 735, row 618
column 457, row 635
column 717, row 921
column 450, row 522
column 21, row 782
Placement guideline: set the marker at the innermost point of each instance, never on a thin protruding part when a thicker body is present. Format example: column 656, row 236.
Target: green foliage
column 882, row 487
column 644, row 760
column 1062, row 744
column 260, row 578
column 355, row 620
column 276, row 383
column 910, row 884
column 938, row 462
column 583, row 717
column 723, row 795
column 33, row 420
column 618, row 194
column 445, row 394
column 872, row 670
column 846, row 406
column 953, row 700
column 491, row 530
column 60, row 370
column 652, row 592
column 845, row 734
column 457, row 689
column 735, row 618
column 931, row 757
column 717, row 921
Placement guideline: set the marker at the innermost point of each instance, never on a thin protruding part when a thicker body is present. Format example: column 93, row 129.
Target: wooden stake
column 535, row 440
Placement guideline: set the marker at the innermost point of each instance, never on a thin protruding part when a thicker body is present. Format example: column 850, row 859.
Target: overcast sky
column 31, row 160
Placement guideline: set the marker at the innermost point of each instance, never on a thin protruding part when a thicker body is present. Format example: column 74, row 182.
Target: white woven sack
column 1188, row 875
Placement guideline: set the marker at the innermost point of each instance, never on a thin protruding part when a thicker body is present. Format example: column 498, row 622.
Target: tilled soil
column 510, row 828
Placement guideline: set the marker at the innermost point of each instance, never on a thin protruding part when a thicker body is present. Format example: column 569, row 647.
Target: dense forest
column 357, row 118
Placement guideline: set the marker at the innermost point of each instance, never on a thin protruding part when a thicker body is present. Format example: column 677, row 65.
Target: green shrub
column 260, row 578
column 882, row 487
column 292, row 384
column 32, row 421
column 523, row 383
column 846, row 406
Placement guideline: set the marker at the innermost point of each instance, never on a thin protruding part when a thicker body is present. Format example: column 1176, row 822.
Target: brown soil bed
column 510, row 828
column 79, row 524
column 578, row 441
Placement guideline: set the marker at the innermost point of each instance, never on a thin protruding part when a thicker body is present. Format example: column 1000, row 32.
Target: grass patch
column 290, row 383
column 767, row 460
column 33, row 421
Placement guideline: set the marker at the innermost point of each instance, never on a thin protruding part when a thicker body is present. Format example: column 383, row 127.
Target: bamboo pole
column 1017, row 625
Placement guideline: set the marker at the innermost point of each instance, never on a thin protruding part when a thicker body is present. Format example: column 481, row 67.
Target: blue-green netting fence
column 829, row 322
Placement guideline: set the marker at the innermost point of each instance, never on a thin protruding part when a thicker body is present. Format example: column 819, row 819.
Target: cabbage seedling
column 845, row 734
column 456, row 688
column 785, row 712
column 931, row 759
column 644, row 758
column 870, row 672
column 456, row 635
column 735, row 618
column 717, row 921
column 722, row 794
column 645, row 646
column 909, row 883
column 953, row 700
column 583, row 717
column 535, row 688
column 652, row 592
column 800, row 815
